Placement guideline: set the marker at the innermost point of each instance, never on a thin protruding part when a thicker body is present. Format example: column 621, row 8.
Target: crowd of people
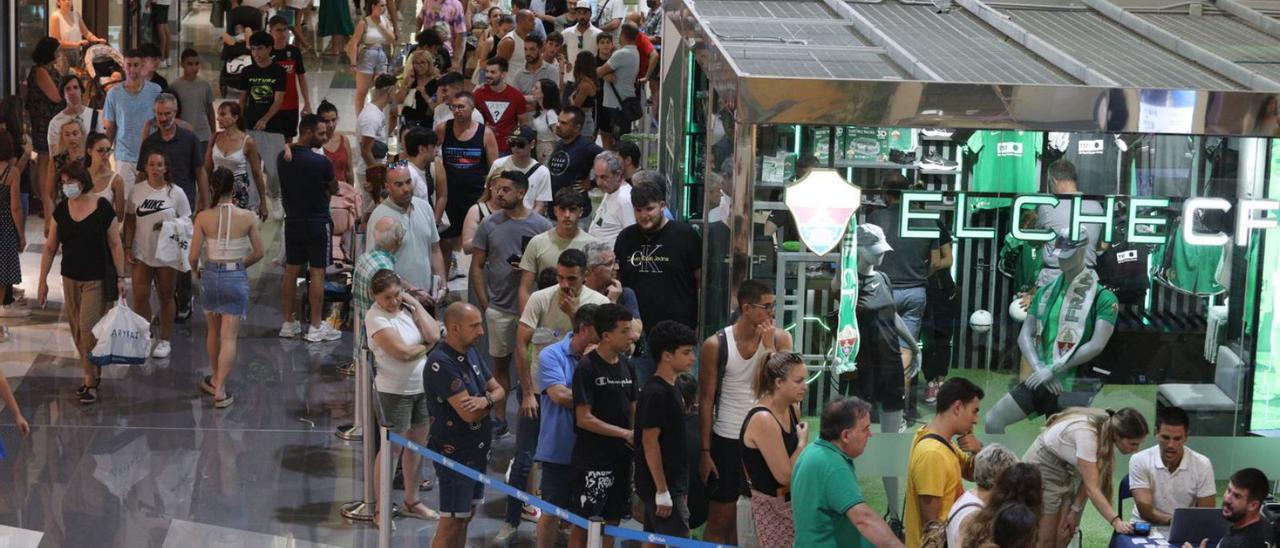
column 497, row 139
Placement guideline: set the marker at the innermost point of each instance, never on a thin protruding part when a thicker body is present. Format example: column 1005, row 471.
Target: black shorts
column 612, row 121
column 730, row 482
column 159, row 15
column 674, row 525
column 308, row 242
column 602, row 492
column 883, row 384
column 1040, row 401
column 285, row 122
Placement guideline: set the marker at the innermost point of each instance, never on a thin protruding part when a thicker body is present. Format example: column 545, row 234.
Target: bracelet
column 706, row 450
column 1112, row 520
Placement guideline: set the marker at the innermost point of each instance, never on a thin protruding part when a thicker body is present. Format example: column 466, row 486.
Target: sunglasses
column 519, row 143
column 459, row 106
column 580, row 42
column 103, row 150
column 397, row 164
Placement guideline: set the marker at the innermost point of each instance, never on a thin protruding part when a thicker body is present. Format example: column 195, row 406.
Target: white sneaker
column 530, row 513
column 162, row 350
column 289, row 330
column 14, row 311
column 324, row 332
column 506, row 534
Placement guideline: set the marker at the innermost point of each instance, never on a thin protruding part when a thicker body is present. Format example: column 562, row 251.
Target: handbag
column 123, row 336
column 630, row 107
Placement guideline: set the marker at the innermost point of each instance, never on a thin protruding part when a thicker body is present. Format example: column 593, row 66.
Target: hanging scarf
column 848, row 338
column 1077, row 300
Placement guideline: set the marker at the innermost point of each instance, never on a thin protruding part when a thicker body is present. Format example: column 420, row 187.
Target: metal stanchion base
column 347, row 368
column 360, row 510
column 349, row 432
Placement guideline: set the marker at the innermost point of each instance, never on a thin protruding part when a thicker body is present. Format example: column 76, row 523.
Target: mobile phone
column 1141, row 529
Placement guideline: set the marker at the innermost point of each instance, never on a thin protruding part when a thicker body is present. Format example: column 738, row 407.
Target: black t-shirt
column 84, row 243
column 1259, row 534
column 610, row 390
column 261, row 85
column 662, row 406
column 303, row 184
column 875, row 313
column 448, row 373
column 908, row 264
column 290, row 57
column 660, row 268
column 571, row 162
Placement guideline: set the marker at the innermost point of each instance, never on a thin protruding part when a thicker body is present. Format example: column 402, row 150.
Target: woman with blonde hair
column 488, row 203
column 1076, row 455
column 772, row 438
column 411, row 89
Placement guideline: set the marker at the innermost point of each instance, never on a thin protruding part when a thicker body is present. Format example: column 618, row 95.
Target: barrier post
column 595, row 533
column 352, row 367
column 355, row 430
column 363, row 509
column 384, row 488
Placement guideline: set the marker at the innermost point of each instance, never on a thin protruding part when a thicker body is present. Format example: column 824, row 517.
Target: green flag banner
column 848, row 339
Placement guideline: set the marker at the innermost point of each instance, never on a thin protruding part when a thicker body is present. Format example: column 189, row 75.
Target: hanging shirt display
column 1006, row 163
column 1191, row 268
column 1123, row 269
column 1162, row 165
column 1097, row 160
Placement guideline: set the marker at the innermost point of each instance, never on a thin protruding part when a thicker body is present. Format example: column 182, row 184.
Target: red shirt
column 501, row 111
column 644, row 47
column 290, row 57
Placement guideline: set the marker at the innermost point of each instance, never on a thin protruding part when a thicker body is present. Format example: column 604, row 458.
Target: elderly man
column 184, row 157
column 385, row 240
column 615, row 212
column 418, row 256
column 602, row 277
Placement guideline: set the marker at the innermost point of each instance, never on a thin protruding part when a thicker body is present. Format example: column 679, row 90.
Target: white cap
column 872, row 237
column 582, row 4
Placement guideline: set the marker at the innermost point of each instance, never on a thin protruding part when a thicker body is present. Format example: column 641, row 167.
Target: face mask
column 72, row 191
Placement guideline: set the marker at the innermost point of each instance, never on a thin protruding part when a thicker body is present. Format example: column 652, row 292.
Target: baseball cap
column 582, row 5
column 523, row 133
column 872, row 237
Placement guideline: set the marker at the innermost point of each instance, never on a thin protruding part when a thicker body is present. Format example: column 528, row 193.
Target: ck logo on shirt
column 1011, row 148
column 1094, row 146
column 497, row 109
column 646, row 261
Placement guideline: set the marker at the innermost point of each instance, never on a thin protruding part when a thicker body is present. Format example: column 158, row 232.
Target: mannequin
column 880, row 372
column 1068, row 324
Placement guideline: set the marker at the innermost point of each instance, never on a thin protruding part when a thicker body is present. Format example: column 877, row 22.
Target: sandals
column 225, row 402
column 88, row 394
column 417, row 509
column 206, row 384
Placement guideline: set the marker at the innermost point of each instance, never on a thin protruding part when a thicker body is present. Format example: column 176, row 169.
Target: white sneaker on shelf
column 14, row 311
column 323, row 332
column 162, row 350
column 290, row 330
column 506, row 534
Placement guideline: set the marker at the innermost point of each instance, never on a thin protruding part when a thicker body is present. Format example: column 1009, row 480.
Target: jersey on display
column 1096, row 157
column 1190, row 268
column 1020, row 260
column 1105, row 307
column 1163, row 164
column 1123, row 269
column 1006, row 163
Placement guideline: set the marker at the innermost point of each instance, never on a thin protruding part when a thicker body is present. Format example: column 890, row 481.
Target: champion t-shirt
column 1006, row 164
column 610, row 389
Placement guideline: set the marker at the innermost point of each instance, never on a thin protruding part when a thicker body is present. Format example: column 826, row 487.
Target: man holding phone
column 495, row 273
column 418, row 258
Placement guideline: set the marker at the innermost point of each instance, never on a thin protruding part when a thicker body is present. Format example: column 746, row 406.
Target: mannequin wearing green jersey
column 1068, row 324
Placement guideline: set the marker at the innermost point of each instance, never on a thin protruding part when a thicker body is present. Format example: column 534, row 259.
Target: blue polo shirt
column 450, row 372
column 556, row 365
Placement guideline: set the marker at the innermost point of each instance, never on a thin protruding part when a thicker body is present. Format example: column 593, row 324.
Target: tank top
column 517, row 60
column 236, row 162
column 222, row 247
column 373, row 35
column 465, row 164
column 757, row 468
column 69, row 26
column 736, row 395
column 340, row 162
column 107, row 194
column 40, row 110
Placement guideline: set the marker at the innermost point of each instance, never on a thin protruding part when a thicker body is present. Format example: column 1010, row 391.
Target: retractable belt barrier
column 576, row 520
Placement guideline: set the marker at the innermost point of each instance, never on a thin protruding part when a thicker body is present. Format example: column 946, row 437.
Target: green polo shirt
column 824, row 483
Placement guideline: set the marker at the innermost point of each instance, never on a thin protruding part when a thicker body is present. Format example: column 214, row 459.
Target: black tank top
column 758, row 473
column 465, row 164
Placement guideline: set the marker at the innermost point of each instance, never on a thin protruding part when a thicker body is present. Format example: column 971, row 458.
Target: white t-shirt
column 419, row 178
column 151, row 207
column 608, row 10
column 539, row 182
column 571, row 48
column 1072, row 440
column 54, row 135
column 961, row 511
column 395, row 376
column 614, row 214
column 443, row 114
column 545, row 124
column 371, row 123
column 1171, row 490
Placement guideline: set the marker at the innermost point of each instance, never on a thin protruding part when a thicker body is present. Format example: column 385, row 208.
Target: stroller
column 104, row 67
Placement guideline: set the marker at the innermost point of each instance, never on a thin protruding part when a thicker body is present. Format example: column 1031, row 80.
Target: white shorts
column 501, row 328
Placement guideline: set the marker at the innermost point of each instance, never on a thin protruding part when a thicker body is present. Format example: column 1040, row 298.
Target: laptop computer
column 1195, row 524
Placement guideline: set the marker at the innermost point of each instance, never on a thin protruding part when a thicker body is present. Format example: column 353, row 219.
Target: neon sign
column 1144, row 226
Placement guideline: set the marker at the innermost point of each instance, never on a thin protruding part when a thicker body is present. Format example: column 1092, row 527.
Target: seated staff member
column 1242, row 507
column 1078, row 447
column 1170, row 475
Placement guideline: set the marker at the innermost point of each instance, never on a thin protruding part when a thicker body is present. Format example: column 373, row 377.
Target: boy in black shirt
column 662, row 467
column 264, row 84
column 604, row 395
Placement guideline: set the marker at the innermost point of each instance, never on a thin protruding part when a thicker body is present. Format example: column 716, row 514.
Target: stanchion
column 384, row 488
column 595, row 533
column 363, row 509
column 355, row 430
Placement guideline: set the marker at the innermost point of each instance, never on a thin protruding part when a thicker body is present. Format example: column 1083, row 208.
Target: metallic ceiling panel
column 1227, row 37
column 811, row 63
column 738, row 30
column 766, row 10
column 959, row 46
column 1115, row 51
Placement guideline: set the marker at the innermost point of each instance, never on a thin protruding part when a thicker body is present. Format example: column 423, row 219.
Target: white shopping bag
column 123, row 336
column 173, row 244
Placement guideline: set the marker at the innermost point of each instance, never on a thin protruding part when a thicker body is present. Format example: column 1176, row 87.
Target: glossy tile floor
column 154, row 464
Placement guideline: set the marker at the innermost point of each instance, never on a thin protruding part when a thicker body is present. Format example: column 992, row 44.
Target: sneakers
column 324, row 332
column 14, row 311
column 530, row 513
column 931, row 393
column 290, row 330
column 162, row 350
column 507, row 534
column 937, row 133
column 902, row 157
column 934, row 162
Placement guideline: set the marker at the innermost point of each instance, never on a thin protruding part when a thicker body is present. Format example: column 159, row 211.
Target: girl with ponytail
column 1076, row 455
column 772, row 438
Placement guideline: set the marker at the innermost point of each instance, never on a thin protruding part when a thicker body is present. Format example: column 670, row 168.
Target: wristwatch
column 488, row 399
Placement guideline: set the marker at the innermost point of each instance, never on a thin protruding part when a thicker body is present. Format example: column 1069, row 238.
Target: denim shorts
column 910, row 302
column 224, row 289
column 460, row 495
column 373, row 60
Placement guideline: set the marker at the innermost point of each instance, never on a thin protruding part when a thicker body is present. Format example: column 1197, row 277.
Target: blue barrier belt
column 526, row 498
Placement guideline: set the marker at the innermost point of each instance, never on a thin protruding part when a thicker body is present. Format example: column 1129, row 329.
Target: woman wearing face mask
column 152, row 202
column 80, row 224
column 106, row 182
column 772, row 438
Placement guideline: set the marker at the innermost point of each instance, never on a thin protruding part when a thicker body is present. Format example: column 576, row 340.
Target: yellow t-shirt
column 934, row 470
